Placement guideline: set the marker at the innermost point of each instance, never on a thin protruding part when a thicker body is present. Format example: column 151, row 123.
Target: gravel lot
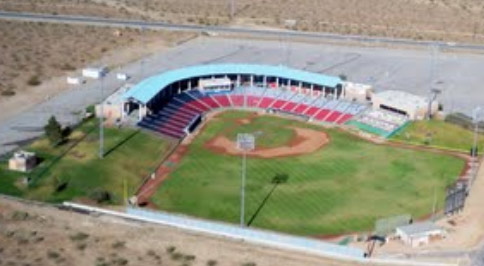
column 458, row 75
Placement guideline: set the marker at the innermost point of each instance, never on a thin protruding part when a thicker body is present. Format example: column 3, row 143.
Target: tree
column 100, row 195
column 53, row 131
column 280, row 179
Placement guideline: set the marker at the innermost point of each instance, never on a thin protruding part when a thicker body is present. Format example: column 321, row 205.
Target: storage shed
column 419, row 234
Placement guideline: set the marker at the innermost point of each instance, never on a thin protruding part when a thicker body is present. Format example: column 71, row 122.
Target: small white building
column 94, row 73
column 414, row 106
column 22, row 161
column 357, row 92
column 74, row 80
column 419, row 234
column 122, row 76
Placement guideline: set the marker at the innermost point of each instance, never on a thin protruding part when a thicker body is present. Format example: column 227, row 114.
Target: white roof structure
column 117, row 97
column 402, row 100
column 357, row 88
column 419, row 228
column 216, row 82
column 23, row 154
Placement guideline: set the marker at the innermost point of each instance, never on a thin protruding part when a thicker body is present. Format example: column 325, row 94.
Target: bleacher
column 380, row 122
column 184, row 111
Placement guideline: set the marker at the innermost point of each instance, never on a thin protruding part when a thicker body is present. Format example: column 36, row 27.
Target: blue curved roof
column 150, row 87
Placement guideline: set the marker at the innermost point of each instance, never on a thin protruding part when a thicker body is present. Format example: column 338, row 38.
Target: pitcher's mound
column 305, row 141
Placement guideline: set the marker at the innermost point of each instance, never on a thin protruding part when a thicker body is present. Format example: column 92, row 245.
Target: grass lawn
column 439, row 133
column 265, row 138
column 130, row 156
column 342, row 188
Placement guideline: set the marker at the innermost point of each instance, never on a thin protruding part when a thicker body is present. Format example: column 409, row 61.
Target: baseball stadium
column 306, row 151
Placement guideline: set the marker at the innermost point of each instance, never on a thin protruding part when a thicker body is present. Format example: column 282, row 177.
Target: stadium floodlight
column 245, row 142
column 433, row 91
column 476, row 117
column 101, row 120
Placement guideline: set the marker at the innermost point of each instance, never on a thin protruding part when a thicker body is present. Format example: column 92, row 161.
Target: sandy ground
column 54, row 52
column 40, row 235
column 457, row 20
column 306, row 141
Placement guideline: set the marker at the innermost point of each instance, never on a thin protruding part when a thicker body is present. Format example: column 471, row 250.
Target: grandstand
column 175, row 102
column 380, row 122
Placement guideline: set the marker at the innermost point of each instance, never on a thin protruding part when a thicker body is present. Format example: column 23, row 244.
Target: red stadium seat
column 237, row 100
column 266, row 102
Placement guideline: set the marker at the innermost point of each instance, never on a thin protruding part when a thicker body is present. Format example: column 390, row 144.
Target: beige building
column 357, row 92
column 419, row 234
column 22, row 161
column 414, row 106
column 113, row 106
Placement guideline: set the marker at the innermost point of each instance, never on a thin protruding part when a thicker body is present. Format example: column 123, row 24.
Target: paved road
column 226, row 29
column 478, row 256
column 459, row 75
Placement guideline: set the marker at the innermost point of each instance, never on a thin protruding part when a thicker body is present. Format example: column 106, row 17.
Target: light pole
column 232, row 9
column 432, row 90
column 475, row 116
column 245, row 142
column 101, row 120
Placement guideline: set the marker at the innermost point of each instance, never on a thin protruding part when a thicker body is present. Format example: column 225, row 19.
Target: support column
column 264, row 81
column 300, row 87
column 289, row 84
column 252, row 80
column 312, row 89
column 123, row 110
column 190, row 85
column 277, row 82
column 238, row 81
column 140, row 112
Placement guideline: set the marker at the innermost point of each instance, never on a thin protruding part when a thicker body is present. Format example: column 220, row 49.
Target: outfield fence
column 307, row 245
column 247, row 234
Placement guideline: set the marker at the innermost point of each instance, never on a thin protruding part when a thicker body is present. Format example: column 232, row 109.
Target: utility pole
column 434, row 205
column 476, row 118
column 232, row 9
column 433, row 91
column 101, row 120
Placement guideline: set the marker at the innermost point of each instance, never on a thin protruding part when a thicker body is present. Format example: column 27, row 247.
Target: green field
column 341, row 188
column 439, row 133
column 73, row 170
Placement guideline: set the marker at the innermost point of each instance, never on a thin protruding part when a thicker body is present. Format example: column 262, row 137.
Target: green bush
column 100, row 195
column 79, row 236
column 34, row 80
column 8, row 92
column 463, row 120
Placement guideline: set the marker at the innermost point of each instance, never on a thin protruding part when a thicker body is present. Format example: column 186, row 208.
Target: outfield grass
column 339, row 189
column 439, row 133
column 130, row 155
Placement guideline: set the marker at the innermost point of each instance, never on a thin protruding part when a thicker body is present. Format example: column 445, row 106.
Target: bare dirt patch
column 459, row 20
column 35, row 58
column 306, row 141
column 33, row 234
